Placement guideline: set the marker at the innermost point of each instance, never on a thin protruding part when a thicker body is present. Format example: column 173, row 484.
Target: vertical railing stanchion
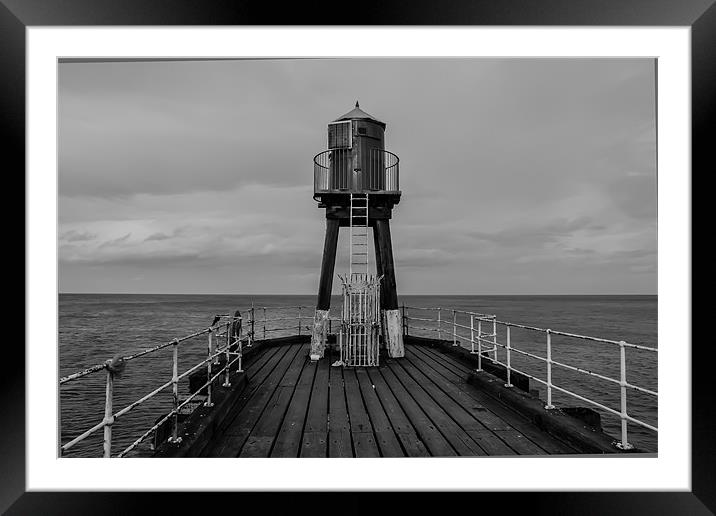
column 479, row 344
column 108, row 417
column 623, row 383
column 494, row 336
column 241, row 353
column 440, row 333
column 549, row 405
column 264, row 323
column 212, row 345
column 472, row 334
column 227, row 383
column 175, row 392
column 299, row 320
column 405, row 332
column 454, row 329
column 209, row 362
column 509, row 364
column 253, row 317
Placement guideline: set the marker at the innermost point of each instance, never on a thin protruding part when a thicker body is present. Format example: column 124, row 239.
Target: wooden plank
column 274, row 358
column 521, row 444
column 339, row 430
column 315, row 432
column 458, row 438
column 288, row 440
column 269, row 423
column 411, row 443
column 364, row 445
column 239, row 430
column 226, row 442
column 446, row 359
column 549, row 443
column 433, row 439
column 314, row 444
column 385, row 435
column 464, row 409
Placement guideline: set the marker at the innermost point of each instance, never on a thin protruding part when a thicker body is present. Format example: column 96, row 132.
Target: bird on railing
column 236, row 326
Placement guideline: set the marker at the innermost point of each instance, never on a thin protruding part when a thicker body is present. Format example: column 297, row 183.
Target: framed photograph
column 494, row 293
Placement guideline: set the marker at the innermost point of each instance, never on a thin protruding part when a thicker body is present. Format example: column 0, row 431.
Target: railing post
column 264, row 308
column 241, row 354
column 212, row 345
column 494, row 336
column 479, row 344
column 549, row 405
column 509, row 365
column 251, row 339
column 472, row 333
column 108, row 417
column 229, row 324
column 208, row 402
column 299, row 320
column 175, row 392
column 454, row 329
column 624, row 445
column 440, row 333
column 405, row 322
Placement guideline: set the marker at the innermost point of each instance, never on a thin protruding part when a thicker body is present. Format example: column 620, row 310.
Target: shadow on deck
column 420, row 405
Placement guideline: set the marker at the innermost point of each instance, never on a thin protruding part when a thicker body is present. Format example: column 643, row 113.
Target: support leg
column 323, row 305
column 389, row 294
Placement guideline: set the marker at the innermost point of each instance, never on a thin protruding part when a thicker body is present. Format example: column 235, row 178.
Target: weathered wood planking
column 288, row 440
column 364, row 442
column 256, row 379
column 238, row 431
column 403, row 428
column 315, row 432
column 261, row 438
column 458, row 438
column 339, row 428
column 424, row 427
column 382, row 428
column 550, row 444
column 470, row 416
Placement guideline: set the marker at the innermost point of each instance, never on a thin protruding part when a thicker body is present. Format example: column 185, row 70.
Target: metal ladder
column 358, row 234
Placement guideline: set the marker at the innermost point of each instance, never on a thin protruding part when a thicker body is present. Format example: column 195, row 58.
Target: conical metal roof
column 358, row 113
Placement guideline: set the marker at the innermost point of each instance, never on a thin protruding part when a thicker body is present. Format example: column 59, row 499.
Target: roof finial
column 357, row 104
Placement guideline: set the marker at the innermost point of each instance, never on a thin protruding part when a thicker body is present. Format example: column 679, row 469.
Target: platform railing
column 483, row 340
column 227, row 337
column 233, row 347
column 333, row 171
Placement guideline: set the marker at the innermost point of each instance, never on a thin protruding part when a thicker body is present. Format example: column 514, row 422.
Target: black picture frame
column 17, row 15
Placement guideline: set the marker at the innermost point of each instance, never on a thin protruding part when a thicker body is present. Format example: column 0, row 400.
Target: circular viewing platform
column 335, row 171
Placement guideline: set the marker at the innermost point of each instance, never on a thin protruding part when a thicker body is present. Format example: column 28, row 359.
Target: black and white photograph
column 414, row 257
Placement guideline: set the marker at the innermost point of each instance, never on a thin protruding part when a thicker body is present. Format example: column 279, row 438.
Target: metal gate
column 360, row 320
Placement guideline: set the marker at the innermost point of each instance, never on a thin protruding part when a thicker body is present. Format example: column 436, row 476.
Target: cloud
column 76, row 236
column 538, row 235
column 515, row 173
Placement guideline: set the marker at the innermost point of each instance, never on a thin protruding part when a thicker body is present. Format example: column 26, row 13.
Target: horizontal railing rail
column 483, row 340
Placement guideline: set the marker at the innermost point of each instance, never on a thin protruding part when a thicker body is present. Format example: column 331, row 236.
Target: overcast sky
column 519, row 176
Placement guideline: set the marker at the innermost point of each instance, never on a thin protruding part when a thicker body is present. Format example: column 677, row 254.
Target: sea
column 97, row 327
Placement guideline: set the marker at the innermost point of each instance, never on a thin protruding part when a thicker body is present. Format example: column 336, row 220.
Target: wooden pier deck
column 417, row 406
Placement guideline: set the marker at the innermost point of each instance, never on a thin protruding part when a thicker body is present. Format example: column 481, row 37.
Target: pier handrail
column 114, row 368
column 256, row 324
column 489, row 338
